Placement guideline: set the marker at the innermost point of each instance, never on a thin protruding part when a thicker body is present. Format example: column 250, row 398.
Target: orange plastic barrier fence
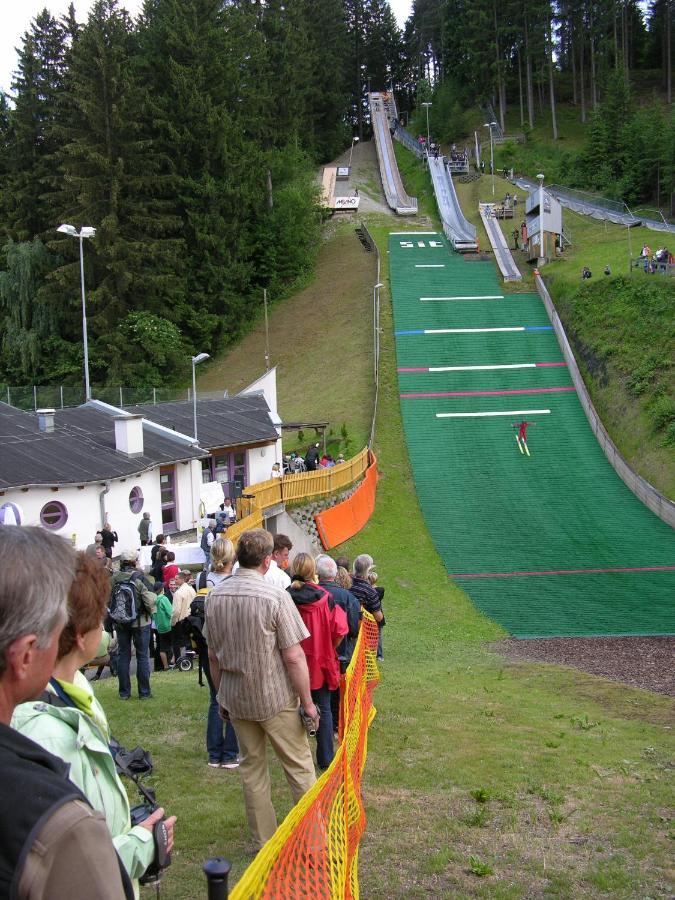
column 314, row 852
column 339, row 523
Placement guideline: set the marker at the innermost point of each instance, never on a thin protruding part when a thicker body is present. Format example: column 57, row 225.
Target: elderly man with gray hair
column 369, row 597
column 326, row 569
column 53, row 843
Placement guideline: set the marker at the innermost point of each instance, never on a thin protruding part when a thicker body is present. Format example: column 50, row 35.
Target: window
column 135, row 499
column 53, row 515
column 10, row 514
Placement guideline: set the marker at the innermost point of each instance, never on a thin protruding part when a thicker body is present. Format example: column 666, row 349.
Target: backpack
column 123, row 605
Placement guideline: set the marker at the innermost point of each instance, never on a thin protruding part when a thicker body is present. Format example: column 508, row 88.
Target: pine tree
column 28, row 195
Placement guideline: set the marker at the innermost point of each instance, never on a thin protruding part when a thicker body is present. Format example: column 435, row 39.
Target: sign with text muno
column 346, row 202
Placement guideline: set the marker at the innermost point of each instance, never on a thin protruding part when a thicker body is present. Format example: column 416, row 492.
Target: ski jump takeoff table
column 548, row 542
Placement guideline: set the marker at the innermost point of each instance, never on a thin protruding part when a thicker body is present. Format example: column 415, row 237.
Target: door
column 167, row 484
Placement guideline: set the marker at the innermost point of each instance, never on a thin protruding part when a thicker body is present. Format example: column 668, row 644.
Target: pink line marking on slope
column 539, row 365
column 551, row 390
column 563, row 572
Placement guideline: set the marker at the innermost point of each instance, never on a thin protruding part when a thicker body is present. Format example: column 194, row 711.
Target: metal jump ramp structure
column 396, row 195
column 458, row 230
column 505, row 261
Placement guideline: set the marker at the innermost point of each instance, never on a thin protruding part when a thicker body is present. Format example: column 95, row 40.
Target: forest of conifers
column 189, row 138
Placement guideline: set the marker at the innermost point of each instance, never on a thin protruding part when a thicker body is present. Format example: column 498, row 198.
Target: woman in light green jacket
column 74, row 726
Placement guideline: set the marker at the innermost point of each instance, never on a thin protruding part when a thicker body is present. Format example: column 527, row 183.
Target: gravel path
column 642, row 662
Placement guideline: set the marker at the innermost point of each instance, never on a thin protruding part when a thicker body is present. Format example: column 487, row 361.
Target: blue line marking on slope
column 415, row 331
column 538, row 328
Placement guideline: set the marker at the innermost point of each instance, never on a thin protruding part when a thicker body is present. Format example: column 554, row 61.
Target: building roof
column 227, row 422
column 80, row 450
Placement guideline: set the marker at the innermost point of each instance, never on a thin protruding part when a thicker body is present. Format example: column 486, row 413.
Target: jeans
column 324, row 736
column 221, row 747
column 141, row 639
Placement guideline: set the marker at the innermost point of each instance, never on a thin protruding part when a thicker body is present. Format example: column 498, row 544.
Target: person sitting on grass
column 586, row 273
column 68, row 721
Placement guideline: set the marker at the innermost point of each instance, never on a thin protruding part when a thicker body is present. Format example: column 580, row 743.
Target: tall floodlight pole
column 426, row 106
column 542, row 250
column 490, row 125
column 200, row 357
column 85, row 232
column 267, row 333
column 355, row 140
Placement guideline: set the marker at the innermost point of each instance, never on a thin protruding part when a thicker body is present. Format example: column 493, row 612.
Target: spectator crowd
column 271, row 632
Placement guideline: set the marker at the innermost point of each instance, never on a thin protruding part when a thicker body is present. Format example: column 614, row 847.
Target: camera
column 162, row 857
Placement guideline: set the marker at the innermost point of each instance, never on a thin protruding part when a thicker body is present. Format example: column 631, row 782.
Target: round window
column 54, row 515
column 135, row 499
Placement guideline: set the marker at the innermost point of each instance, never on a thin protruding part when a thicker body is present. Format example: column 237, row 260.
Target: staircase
column 363, row 237
column 469, row 177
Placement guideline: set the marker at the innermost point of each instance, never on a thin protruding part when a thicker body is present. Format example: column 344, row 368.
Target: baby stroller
column 186, row 661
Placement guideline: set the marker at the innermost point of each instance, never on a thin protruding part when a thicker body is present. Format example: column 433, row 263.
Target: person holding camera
column 258, row 667
column 68, row 721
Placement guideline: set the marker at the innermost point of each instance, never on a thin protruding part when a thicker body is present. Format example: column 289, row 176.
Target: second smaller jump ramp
column 459, row 231
column 396, row 195
column 505, row 261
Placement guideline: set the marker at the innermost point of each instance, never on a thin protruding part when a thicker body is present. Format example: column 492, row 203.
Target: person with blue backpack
column 131, row 608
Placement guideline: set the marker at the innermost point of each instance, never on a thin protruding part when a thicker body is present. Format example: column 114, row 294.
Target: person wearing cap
column 182, row 598
column 138, row 632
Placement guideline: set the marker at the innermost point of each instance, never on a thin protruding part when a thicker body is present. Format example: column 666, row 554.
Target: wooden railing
column 294, row 488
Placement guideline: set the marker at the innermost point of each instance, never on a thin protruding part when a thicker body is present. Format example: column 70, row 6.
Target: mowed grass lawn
column 484, row 778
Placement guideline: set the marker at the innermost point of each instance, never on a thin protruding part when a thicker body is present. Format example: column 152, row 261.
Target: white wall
column 84, row 508
column 259, row 461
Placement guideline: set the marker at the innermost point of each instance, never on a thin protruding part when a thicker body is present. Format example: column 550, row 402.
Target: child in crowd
column 162, row 624
column 372, row 578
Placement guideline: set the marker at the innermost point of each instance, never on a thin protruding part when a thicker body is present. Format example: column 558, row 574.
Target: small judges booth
column 552, row 222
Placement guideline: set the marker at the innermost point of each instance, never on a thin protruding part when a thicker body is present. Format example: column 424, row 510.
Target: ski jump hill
column 548, row 542
column 396, row 195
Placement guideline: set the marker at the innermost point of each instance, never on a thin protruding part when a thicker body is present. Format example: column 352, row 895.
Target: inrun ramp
column 457, row 228
column 396, row 195
column 548, row 544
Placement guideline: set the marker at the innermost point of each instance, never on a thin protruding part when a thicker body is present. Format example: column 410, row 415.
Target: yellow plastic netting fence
column 314, row 852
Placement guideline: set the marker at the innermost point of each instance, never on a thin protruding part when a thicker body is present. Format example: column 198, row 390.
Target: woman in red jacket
column 327, row 625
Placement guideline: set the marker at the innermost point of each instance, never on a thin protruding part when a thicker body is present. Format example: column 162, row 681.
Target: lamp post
column 355, row 140
column 426, row 106
column 542, row 249
column 200, row 357
column 492, row 155
column 85, row 232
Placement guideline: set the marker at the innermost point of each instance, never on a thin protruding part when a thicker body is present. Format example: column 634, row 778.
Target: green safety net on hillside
column 547, row 544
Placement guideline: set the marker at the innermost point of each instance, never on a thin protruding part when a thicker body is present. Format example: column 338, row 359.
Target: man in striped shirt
column 253, row 631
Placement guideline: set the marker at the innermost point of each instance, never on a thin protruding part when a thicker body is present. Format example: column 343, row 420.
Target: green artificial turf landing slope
column 548, row 544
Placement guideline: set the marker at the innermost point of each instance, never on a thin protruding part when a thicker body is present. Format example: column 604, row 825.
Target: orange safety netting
column 314, row 852
column 338, row 523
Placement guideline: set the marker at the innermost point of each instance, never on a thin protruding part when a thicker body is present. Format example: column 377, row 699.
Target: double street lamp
column 85, row 232
column 491, row 125
column 200, row 357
